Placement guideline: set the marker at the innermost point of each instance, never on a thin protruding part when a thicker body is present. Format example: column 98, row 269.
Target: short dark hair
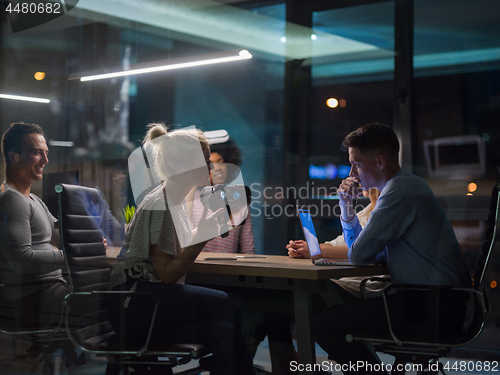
column 374, row 138
column 13, row 138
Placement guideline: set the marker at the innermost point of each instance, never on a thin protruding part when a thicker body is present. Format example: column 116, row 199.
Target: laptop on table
column 313, row 244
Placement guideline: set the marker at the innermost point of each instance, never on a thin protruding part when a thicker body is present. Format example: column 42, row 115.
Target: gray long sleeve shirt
column 26, row 230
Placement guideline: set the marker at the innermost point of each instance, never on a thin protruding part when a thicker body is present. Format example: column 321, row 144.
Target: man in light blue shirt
column 408, row 230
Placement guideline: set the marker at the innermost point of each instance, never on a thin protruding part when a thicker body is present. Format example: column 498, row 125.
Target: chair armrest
column 29, row 283
column 362, row 286
column 150, row 295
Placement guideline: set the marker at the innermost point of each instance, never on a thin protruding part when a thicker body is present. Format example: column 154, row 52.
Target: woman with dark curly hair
column 224, row 157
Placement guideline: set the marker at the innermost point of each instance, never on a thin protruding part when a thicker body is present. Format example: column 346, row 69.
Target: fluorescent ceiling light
column 169, row 64
column 24, row 98
column 62, row 143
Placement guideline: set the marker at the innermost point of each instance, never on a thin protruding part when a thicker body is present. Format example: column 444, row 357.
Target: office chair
column 89, row 271
column 20, row 322
column 428, row 350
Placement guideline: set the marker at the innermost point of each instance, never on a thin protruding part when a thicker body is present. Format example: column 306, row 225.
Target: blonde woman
column 159, row 249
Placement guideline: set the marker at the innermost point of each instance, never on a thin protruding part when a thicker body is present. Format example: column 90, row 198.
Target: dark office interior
column 430, row 69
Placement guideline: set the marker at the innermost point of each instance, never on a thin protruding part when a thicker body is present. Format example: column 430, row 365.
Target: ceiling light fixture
column 24, row 98
column 39, row 76
column 61, row 143
column 169, row 64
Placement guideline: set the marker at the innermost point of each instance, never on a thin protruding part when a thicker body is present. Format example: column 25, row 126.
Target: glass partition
column 344, row 57
column 350, row 88
column 91, row 127
column 457, row 107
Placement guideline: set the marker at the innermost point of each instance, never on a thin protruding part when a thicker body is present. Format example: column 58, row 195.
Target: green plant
column 128, row 213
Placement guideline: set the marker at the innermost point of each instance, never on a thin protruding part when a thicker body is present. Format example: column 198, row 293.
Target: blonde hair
column 180, row 153
column 155, row 130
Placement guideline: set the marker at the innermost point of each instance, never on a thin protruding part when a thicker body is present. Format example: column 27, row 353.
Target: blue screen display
column 309, row 232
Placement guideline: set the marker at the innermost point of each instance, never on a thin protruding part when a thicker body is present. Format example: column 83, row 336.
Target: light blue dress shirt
column 409, row 230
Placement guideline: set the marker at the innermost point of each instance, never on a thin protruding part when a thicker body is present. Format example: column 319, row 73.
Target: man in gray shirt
column 409, row 231
column 30, row 262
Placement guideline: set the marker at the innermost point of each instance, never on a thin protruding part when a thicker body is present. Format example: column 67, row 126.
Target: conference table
column 298, row 276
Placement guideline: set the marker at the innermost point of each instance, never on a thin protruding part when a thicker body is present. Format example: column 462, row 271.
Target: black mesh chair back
column 89, row 272
column 492, row 231
column 87, row 266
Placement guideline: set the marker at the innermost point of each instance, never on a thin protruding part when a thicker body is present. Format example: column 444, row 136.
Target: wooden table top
column 280, row 266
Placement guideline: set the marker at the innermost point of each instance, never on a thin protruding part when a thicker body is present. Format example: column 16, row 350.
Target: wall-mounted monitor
column 459, row 157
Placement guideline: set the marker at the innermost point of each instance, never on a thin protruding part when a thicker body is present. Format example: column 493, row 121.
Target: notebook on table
column 313, row 244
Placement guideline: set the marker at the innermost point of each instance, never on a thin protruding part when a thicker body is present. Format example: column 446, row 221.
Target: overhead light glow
column 24, row 98
column 39, row 76
column 332, row 103
column 62, row 143
column 283, row 39
column 245, row 54
column 472, row 187
column 314, row 37
column 171, row 64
